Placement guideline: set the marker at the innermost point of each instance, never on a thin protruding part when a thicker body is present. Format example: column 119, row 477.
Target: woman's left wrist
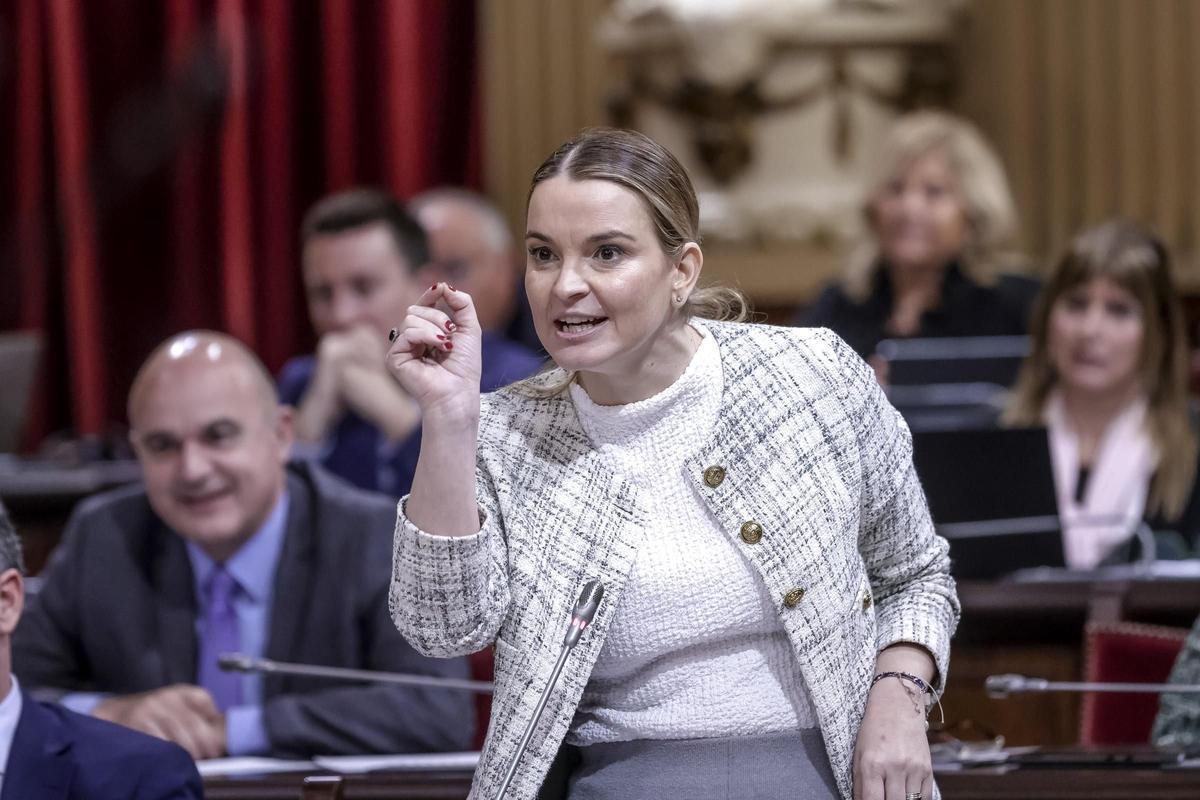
column 921, row 685
column 919, row 692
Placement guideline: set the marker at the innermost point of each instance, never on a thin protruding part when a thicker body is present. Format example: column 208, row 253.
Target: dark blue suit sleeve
column 48, row 654
column 170, row 775
column 294, row 379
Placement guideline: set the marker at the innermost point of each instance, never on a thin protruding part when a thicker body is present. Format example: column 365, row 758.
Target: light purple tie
column 220, row 636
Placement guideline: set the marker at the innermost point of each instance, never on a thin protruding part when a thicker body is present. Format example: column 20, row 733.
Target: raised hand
column 436, row 353
column 436, row 358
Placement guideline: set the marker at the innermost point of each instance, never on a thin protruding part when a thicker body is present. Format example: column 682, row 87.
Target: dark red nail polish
column 443, row 338
column 450, row 326
column 449, row 345
column 431, row 288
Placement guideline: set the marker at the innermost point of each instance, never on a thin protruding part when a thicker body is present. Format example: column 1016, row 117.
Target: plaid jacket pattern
column 1177, row 725
column 811, row 451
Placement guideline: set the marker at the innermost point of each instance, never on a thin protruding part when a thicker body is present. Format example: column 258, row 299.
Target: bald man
column 470, row 247
column 228, row 547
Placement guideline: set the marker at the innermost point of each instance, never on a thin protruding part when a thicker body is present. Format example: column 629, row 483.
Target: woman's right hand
column 436, row 356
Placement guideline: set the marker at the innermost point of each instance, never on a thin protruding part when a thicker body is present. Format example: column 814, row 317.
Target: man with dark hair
column 229, row 547
column 361, row 252
column 365, row 261
column 47, row 751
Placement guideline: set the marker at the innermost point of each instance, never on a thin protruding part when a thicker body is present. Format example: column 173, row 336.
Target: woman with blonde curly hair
column 1108, row 377
column 941, row 221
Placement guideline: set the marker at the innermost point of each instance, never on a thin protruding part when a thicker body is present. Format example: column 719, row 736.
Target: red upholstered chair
column 1125, row 652
column 482, row 669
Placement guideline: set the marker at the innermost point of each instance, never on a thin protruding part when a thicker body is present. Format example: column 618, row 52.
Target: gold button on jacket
column 793, row 598
column 751, row 533
column 713, row 476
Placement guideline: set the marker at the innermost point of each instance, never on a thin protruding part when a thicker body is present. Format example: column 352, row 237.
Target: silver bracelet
column 921, row 684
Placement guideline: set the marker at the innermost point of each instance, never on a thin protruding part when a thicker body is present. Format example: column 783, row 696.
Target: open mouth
column 579, row 325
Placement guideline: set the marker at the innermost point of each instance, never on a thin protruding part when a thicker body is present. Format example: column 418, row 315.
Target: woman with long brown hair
column 1108, row 377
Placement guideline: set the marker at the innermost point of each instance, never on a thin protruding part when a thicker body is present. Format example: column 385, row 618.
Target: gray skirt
column 736, row 768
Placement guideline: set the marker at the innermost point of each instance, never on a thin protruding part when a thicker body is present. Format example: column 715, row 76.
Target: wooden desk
column 976, row 784
column 1036, row 629
column 446, row 785
column 1070, row 784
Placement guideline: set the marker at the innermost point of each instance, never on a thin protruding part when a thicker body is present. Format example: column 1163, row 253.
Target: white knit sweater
column 696, row 648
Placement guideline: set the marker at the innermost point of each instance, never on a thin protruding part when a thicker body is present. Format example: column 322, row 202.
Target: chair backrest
column 1125, row 652
column 19, row 354
column 482, row 669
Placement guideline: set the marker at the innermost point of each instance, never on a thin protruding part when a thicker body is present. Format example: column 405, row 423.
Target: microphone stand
column 581, row 617
column 999, row 687
column 239, row 662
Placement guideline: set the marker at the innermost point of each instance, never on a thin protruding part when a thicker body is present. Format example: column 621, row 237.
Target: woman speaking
column 778, row 608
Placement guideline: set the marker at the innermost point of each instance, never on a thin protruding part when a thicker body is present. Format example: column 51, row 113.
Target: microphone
column 240, row 662
column 584, row 611
column 581, row 617
column 999, row 687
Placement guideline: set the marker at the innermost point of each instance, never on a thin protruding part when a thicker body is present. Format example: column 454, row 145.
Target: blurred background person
column 1108, row 377
column 939, row 217
column 471, row 248
column 361, row 253
column 229, row 547
column 47, row 751
column 365, row 260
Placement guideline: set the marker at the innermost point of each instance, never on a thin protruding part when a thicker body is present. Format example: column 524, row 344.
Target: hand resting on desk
column 182, row 713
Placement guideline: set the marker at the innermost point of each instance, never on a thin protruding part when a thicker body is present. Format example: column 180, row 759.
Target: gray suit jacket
column 117, row 613
column 810, row 451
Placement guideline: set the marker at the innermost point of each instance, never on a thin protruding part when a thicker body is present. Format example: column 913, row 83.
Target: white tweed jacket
column 810, row 451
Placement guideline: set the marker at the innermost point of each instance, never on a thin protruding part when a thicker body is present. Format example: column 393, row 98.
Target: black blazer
column 57, row 754
column 966, row 309
column 116, row 613
column 1173, row 538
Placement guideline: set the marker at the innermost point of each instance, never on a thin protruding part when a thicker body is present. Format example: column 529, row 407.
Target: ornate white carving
column 773, row 105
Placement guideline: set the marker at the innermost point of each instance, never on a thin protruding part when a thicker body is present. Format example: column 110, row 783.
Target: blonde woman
column 777, row 604
column 940, row 220
column 1108, row 377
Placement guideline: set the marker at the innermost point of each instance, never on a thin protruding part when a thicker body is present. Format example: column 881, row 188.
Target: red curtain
column 163, row 153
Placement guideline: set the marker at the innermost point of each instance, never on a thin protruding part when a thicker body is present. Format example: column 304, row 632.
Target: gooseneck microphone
column 581, row 617
column 583, row 612
column 999, row 687
column 239, row 662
